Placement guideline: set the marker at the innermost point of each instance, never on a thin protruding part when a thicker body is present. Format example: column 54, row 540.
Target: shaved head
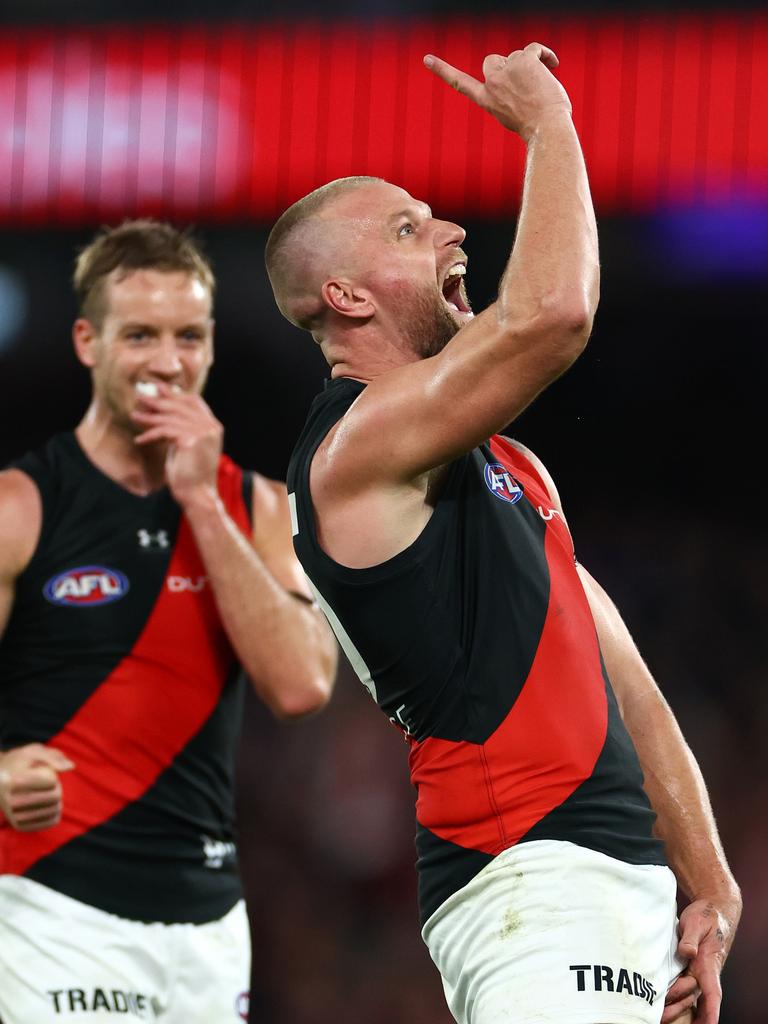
column 361, row 264
column 306, row 245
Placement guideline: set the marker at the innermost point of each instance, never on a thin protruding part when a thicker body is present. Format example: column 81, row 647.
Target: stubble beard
column 427, row 324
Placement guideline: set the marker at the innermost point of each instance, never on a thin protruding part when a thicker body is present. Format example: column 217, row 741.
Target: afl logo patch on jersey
column 86, row 587
column 502, row 484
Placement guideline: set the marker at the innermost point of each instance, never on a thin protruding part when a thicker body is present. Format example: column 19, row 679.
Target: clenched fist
column 30, row 791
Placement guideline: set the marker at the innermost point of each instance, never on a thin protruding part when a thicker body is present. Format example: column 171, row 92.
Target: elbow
column 568, row 319
column 560, row 327
column 302, row 701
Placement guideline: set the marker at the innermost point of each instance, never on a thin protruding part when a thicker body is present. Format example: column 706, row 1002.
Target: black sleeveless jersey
column 478, row 642
column 115, row 654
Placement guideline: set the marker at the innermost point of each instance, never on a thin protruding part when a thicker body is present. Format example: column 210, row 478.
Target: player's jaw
column 121, row 389
column 424, row 319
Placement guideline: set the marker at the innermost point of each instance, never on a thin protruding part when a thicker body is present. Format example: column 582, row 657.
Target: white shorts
column 551, row 932
column 64, row 962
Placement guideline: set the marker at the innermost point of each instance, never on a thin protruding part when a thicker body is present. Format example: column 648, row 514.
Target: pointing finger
column 546, row 56
column 458, row 80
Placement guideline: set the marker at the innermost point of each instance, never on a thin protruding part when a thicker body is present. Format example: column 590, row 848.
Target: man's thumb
column 55, row 759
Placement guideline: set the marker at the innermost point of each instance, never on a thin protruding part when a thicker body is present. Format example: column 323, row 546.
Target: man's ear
column 84, row 337
column 346, row 300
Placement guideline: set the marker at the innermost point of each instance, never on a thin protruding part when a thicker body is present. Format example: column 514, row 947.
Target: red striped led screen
column 229, row 122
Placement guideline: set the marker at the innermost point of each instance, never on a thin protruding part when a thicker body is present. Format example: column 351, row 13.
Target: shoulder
column 330, row 448
column 541, row 470
column 21, row 517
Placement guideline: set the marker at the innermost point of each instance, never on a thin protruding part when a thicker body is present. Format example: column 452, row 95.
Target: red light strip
column 234, row 122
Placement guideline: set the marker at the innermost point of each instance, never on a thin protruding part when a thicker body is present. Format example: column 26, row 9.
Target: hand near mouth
column 193, row 435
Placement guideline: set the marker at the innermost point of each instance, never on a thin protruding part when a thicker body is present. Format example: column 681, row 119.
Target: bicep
column 272, row 535
column 421, row 415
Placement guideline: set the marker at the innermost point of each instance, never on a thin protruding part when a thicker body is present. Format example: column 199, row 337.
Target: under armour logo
column 153, row 541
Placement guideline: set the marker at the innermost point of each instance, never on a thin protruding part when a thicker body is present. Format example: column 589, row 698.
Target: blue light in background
column 706, row 242
column 13, row 307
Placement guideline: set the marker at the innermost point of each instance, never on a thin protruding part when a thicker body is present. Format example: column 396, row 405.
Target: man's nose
column 449, row 234
column 165, row 361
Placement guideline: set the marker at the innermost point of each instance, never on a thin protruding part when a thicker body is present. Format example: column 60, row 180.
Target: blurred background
column 222, row 114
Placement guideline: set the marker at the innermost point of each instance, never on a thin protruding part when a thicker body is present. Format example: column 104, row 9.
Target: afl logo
column 502, row 484
column 86, row 586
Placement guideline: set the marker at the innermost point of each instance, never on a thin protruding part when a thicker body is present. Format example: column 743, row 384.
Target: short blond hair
column 145, row 244
column 278, row 254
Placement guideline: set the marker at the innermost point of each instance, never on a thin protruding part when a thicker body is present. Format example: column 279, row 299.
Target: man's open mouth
column 453, row 289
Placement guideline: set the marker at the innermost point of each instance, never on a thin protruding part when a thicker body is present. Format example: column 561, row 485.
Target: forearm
column 554, row 266
column 678, row 794
column 283, row 643
column 673, row 780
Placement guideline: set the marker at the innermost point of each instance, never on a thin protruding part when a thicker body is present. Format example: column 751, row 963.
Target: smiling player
column 139, row 569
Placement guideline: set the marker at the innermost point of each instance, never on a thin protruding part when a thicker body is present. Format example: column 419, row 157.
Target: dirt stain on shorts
column 511, row 923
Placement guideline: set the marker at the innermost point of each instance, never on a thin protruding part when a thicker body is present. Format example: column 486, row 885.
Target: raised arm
column 432, row 410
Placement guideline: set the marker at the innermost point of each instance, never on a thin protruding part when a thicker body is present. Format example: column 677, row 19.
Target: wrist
column 555, row 118
column 199, row 501
column 725, row 898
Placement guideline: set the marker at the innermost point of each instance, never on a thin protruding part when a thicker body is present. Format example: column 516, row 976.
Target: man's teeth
column 149, row 388
column 458, row 270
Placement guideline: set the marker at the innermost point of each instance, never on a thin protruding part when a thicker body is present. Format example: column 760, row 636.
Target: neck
column 364, row 354
column 112, row 448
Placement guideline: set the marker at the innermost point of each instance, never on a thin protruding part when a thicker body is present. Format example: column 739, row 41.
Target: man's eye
column 191, row 337
column 406, row 229
column 136, row 336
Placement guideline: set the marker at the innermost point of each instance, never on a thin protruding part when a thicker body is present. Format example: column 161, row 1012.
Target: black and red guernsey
column 478, row 641
column 115, row 654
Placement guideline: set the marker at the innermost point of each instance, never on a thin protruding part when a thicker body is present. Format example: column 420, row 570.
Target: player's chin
column 462, row 317
column 459, row 317
column 130, row 425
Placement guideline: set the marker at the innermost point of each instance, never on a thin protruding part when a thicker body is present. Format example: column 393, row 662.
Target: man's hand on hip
column 706, row 935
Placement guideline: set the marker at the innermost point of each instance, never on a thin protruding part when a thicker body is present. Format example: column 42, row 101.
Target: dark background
column 655, row 439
